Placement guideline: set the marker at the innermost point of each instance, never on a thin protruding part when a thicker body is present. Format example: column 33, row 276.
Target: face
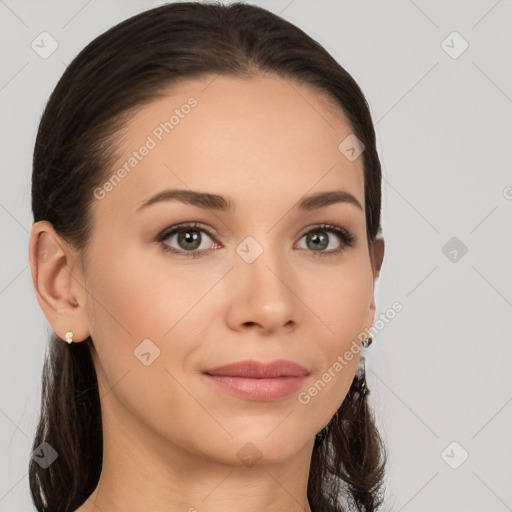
column 179, row 287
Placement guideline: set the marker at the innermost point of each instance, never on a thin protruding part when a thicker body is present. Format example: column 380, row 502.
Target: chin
column 264, row 449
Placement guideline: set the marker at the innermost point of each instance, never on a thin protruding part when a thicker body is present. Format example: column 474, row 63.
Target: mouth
column 260, row 370
column 254, row 380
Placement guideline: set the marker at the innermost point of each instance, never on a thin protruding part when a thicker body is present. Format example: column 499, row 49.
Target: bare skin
column 171, row 438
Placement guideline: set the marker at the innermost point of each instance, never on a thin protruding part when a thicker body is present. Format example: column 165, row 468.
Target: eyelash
column 342, row 234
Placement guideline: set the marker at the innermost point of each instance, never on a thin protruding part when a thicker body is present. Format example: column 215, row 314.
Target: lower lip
column 259, row 389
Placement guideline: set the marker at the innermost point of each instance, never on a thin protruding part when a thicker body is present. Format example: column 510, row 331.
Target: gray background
column 440, row 370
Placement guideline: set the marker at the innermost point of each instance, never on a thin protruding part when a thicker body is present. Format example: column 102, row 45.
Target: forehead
column 264, row 136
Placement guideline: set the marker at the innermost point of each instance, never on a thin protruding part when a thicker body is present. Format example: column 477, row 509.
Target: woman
column 206, row 198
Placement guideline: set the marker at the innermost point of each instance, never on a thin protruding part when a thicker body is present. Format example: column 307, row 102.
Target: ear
column 57, row 281
column 377, row 258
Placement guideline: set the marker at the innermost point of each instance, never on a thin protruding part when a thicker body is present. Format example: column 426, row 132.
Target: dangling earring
column 69, row 337
column 360, row 378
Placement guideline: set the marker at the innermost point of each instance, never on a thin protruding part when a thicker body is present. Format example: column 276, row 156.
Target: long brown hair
column 122, row 69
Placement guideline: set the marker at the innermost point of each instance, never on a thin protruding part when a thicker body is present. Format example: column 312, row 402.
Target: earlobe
column 55, row 286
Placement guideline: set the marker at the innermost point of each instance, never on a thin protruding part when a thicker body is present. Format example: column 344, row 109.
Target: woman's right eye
column 188, row 238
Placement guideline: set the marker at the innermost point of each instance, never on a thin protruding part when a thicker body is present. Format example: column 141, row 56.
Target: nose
column 262, row 295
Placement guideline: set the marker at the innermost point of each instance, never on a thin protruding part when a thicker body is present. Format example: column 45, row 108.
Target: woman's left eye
column 320, row 241
column 189, row 239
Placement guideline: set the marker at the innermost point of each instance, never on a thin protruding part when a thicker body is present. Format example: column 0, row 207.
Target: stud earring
column 69, row 337
column 367, row 342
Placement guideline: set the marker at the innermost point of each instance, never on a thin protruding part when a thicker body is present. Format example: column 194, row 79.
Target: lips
column 259, row 381
column 260, row 370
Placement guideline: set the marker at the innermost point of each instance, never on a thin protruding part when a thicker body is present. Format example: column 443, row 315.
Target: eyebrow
column 217, row 202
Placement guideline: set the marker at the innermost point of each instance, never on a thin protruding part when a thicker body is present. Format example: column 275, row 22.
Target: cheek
column 132, row 301
column 121, row 295
column 340, row 299
column 133, row 295
column 139, row 297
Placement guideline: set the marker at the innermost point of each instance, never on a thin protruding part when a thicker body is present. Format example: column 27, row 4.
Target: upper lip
column 260, row 370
